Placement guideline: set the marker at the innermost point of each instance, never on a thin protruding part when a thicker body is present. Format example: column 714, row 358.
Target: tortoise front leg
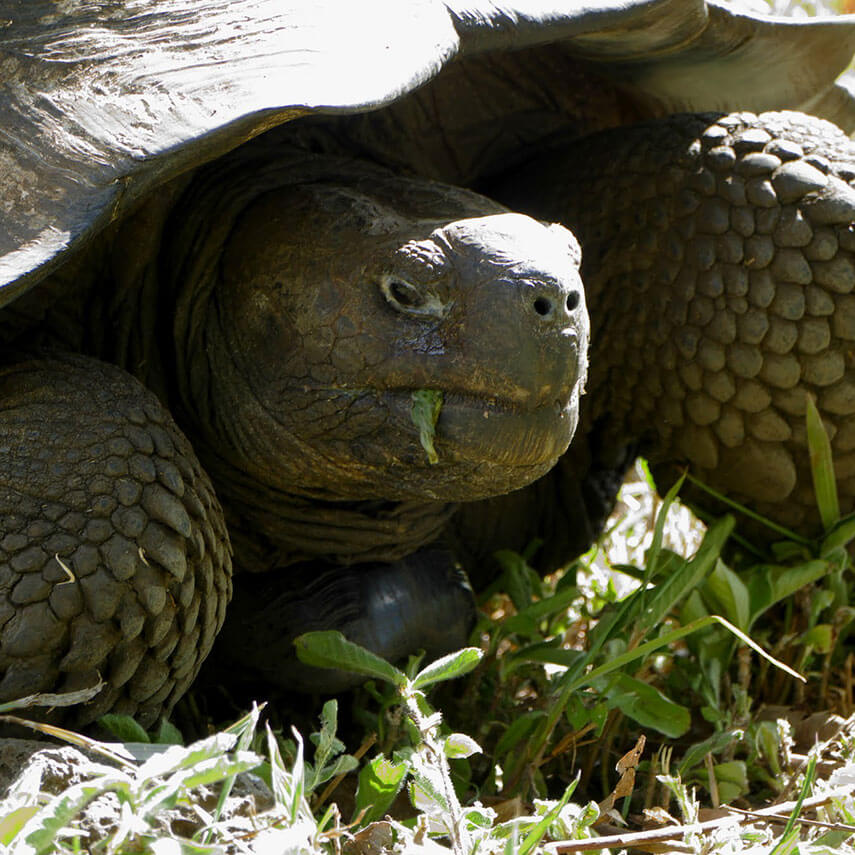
column 719, row 268
column 114, row 559
column 420, row 602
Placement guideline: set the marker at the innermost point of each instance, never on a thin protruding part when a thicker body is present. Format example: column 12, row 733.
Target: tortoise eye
column 404, row 294
column 418, row 301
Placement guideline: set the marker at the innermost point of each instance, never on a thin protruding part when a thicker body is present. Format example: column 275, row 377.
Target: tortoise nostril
column 543, row 306
column 572, row 301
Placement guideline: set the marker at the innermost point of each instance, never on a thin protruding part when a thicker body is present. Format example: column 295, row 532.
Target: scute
column 102, row 108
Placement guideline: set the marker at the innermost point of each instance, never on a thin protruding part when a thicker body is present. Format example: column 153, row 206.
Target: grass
column 631, row 690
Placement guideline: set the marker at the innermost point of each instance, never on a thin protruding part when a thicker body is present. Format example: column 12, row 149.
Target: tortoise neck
column 272, row 528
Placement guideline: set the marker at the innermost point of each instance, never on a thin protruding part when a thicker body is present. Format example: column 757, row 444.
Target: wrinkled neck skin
column 312, row 298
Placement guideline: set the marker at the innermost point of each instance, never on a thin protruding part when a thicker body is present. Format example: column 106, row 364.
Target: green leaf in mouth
column 425, row 411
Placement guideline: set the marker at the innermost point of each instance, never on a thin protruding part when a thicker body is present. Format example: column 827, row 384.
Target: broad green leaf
column 728, row 595
column 693, row 608
column 329, row 723
column 520, row 728
column 732, row 780
column 791, row 579
column 448, row 667
column 516, row 578
column 519, row 625
column 124, row 728
column 216, row 769
column 713, row 745
column 211, row 771
column 340, row 766
column 167, row 734
column 426, row 790
column 427, row 404
column 771, row 583
column 821, row 466
column 767, row 741
column 330, row 649
column 177, row 757
column 820, row 638
column 460, row 745
column 479, row 818
column 14, row 821
column 841, row 535
column 648, row 706
column 326, row 746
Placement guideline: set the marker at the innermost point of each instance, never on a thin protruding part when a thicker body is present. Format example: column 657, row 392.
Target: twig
column 713, row 782
column 634, row 838
column 834, row 826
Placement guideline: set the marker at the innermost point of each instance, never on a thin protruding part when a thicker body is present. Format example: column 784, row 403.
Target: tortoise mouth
column 474, row 429
column 502, row 431
column 481, row 446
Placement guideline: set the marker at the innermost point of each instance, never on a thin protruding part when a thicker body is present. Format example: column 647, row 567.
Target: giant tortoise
column 255, row 311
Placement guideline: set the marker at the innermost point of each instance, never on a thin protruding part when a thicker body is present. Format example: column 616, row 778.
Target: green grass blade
column 536, row 834
column 668, row 638
column 747, row 512
column 244, row 729
column 673, row 589
column 652, row 557
column 789, row 838
column 821, row 466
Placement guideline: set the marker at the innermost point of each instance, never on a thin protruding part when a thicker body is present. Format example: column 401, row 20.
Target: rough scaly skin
column 333, row 300
column 287, row 325
column 719, row 268
column 114, row 560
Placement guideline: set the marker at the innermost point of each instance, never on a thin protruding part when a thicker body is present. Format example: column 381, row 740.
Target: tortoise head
column 328, row 304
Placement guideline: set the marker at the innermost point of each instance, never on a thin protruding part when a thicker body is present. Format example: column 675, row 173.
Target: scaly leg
column 114, row 560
